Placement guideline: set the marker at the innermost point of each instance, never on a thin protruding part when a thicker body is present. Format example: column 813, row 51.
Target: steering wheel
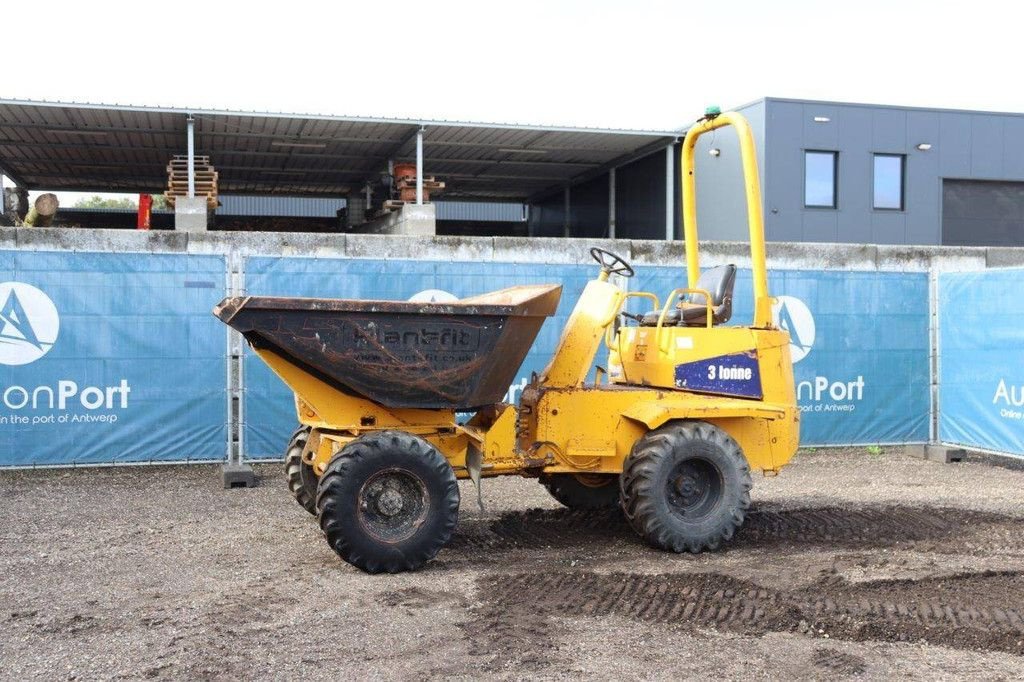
column 611, row 263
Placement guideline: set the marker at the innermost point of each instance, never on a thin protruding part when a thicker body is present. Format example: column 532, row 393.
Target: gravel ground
column 851, row 564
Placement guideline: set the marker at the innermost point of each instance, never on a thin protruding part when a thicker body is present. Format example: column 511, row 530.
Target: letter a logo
column 792, row 315
column 28, row 323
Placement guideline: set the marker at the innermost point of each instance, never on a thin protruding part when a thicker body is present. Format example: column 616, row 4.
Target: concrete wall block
column 798, row 256
column 310, row 244
column 721, row 253
column 191, row 214
column 1004, row 257
column 455, row 248
column 653, row 252
column 940, row 259
column 554, row 250
column 390, row 246
column 448, row 248
column 8, row 237
column 128, row 241
column 411, row 219
column 781, row 255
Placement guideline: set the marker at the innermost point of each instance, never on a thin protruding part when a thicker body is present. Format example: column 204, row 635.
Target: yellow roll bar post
column 755, row 215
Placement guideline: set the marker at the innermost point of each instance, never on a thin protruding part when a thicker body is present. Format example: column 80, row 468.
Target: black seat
column 692, row 311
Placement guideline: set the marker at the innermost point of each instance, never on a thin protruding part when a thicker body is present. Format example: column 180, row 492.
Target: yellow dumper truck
column 670, row 429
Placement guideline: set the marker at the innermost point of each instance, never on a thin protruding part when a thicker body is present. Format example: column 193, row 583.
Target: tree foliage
column 99, row 202
column 96, row 201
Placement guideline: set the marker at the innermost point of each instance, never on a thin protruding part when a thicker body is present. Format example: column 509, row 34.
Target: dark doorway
column 982, row 213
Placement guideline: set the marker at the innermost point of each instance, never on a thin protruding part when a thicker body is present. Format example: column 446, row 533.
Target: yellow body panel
column 594, row 312
column 319, row 404
column 593, row 429
column 649, row 355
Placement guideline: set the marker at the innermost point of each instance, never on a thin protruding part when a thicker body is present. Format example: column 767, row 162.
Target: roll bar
column 755, row 216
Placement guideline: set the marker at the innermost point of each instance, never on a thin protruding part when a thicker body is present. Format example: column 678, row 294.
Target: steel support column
column 670, row 191
column 190, row 125
column 611, row 204
column 567, row 210
column 419, row 166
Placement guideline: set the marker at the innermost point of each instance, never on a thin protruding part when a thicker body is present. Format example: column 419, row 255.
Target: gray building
column 832, row 172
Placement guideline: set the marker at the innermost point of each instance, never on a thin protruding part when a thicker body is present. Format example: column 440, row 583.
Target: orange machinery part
column 145, row 211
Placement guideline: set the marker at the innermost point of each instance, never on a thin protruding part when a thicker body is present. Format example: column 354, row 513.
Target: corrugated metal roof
column 70, row 146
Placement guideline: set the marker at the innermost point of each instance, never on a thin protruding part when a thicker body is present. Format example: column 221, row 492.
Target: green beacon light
column 712, row 112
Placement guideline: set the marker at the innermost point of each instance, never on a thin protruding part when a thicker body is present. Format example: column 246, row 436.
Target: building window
column 889, row 181
column 820, row 179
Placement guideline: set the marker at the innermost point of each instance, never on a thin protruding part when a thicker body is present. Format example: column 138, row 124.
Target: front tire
column 301, row 478
column 583, row 491
column 686, row 487
column 388, row 501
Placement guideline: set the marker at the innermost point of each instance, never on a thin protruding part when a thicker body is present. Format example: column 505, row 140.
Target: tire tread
column 638, row 489
column 337, row 530
column 300, row 489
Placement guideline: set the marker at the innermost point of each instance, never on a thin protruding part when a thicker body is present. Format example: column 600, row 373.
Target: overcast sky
column 637, row 64
column 641, row 64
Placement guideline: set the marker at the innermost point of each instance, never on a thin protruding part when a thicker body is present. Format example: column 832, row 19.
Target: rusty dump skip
column 402, row 354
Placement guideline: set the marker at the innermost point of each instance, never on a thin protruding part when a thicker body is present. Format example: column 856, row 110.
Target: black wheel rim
column 392, row 505
column 694, row 487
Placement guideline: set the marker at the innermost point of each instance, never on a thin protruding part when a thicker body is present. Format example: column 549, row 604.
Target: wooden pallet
column 407, row 188
column 182, row 161
column 205, row 179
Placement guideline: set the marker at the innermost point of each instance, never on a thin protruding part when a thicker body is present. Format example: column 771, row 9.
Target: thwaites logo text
column 443, row 337
column 822, row 393
column 29, row 328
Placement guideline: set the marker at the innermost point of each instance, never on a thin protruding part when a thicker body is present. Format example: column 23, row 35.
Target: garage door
column 982, row 213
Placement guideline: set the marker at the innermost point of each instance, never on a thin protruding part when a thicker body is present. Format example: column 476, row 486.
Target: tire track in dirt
column 968, row 611
column 834, row 526
column 537, row 528
column 838, row 662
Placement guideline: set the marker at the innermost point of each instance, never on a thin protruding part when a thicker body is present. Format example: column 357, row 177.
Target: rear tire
column 388, row 501
column 301, row 477
column 686, row 487
column 583, row 491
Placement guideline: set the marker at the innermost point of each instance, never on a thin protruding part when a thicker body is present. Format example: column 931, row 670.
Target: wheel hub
column 693, row 487
column 393, row 504
column 688, row 488
column 389, row 503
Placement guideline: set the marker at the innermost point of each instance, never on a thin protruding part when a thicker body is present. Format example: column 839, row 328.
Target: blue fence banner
column 981, row 360
column 269, row 409
column 110, row 358
column 859, row 342
column 860, row 338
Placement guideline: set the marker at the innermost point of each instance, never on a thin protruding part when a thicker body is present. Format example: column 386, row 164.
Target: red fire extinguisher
column 145, row 211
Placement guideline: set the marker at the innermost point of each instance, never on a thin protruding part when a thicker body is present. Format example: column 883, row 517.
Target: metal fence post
column 933, row 351
column 236, row 472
